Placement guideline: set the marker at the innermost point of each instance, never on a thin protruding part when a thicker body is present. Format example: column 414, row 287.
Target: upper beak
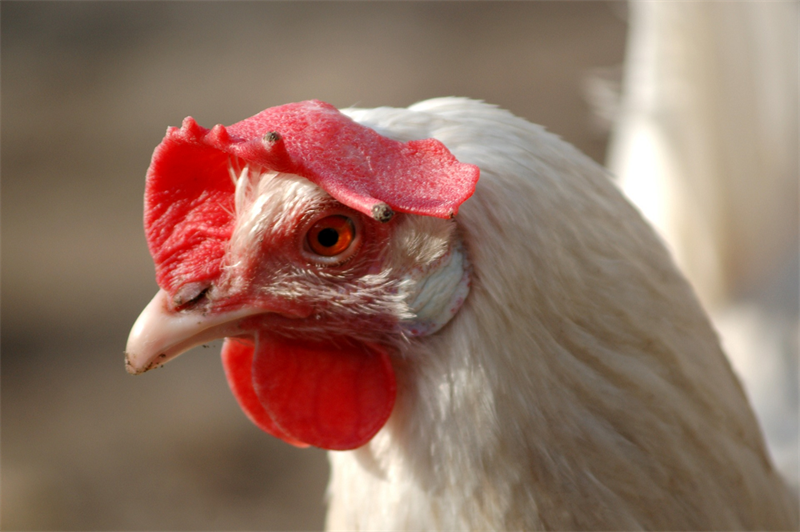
column 160, row 334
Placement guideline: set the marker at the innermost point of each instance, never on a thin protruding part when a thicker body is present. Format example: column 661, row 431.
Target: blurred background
column 88, row 90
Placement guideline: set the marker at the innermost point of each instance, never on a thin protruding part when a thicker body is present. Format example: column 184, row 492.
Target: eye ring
column 332, row 239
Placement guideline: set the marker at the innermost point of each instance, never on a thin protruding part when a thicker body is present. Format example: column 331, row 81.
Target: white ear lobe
column 435, row 295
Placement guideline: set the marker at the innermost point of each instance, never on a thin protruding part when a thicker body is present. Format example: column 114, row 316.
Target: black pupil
column 328, row 237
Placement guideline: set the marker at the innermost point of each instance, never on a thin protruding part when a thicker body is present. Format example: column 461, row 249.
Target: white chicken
column 528, row 358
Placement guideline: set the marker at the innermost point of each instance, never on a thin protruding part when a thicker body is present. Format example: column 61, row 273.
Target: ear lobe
column 189, row 209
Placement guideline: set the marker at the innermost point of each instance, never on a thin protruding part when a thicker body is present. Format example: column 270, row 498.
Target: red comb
column 189, row 197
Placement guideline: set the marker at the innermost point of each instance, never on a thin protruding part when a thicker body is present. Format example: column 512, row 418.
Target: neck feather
column 580, row 386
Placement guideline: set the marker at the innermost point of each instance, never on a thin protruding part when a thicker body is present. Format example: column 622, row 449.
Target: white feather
column 580, row 386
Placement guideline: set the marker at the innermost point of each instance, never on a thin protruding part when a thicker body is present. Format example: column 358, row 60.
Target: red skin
column 312, row 393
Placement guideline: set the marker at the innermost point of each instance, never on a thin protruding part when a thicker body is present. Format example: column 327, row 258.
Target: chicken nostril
column 189, row 295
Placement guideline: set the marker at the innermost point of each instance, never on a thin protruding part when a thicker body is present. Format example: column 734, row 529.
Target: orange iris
column 331, row 235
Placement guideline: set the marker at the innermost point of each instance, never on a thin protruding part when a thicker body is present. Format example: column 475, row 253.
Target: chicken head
column 316, row 247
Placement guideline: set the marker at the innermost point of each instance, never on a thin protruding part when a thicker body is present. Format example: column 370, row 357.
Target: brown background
column 88, row 90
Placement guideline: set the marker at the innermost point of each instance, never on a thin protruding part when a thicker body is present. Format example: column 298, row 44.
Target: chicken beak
column 161, row 334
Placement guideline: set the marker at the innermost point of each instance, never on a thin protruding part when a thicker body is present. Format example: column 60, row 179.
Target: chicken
column 520, row 354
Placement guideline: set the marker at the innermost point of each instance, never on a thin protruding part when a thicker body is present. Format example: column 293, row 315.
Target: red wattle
column 334, row 396
column 237, row 360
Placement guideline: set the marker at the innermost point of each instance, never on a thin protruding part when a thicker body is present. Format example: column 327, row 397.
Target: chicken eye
column 331, row 236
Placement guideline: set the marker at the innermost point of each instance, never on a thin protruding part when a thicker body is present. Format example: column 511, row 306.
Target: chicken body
column 579, row 385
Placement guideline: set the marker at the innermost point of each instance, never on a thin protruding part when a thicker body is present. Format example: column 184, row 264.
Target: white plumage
column 580, row 387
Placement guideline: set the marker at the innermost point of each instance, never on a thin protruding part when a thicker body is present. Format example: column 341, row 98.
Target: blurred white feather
column 706, row 147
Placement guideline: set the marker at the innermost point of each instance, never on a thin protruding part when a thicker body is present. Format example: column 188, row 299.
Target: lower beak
column 161, row 334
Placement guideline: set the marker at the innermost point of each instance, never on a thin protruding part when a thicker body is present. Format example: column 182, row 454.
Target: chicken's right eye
column 331, row 238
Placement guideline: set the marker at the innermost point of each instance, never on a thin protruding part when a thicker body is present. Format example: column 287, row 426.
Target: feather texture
column 581, row 386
